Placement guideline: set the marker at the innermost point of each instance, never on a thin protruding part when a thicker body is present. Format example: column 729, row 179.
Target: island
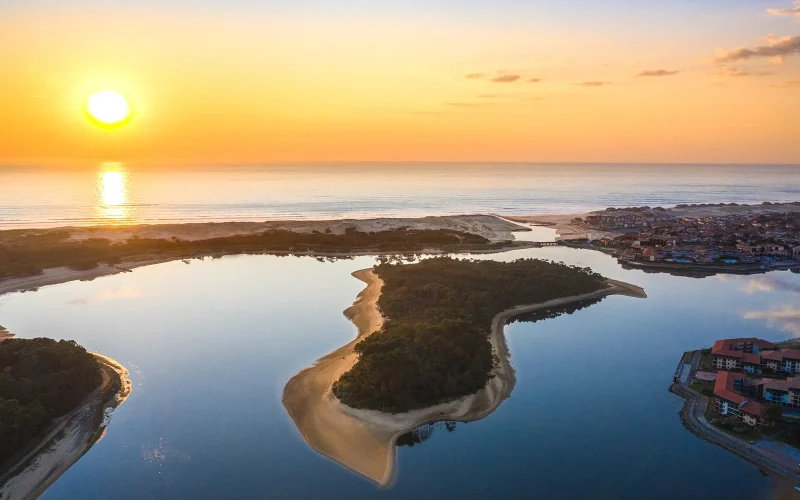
column 430, row 347
column 53, row 401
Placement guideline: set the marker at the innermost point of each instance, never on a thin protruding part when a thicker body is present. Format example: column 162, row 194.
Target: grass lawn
column 750, row 437
column 703, row 387
column 706, row 360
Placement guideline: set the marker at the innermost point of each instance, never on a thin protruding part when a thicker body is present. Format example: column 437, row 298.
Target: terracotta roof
column 771, row 355
column 753, row 408
column 729, row 354
column 751, row 358
column 791, row 353
column 723, row 387
column 726, row 344
column 777, row 385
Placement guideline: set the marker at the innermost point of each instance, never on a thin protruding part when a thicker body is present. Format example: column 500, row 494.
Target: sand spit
column 67, row 439
column 487, row 226
column 364, row 440
column 493, row 228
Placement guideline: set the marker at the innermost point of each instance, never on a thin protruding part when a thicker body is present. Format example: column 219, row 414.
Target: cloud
column 794, row 11
column 534, row 80
column 777, row 49
column 789, row 83
column 505, row 78
column 737, row 72
column 591, row 84
column 786, row 318
column 769, row 284
column 474, row 76
column 657, row 72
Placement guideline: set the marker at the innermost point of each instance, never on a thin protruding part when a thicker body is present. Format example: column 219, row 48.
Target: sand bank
column 491, row 228
column 364, row 440
column 68, row 438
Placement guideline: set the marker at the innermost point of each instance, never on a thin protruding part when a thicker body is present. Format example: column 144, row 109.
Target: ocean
column 117, row 193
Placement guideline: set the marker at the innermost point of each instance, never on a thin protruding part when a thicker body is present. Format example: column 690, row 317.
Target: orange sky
column 211, row 85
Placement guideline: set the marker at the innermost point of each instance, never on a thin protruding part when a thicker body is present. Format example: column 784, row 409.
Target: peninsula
column 53, row 401
column 430, row 347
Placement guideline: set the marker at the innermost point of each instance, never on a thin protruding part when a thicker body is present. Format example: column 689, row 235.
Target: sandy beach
column 488, row 226
column 364, row 440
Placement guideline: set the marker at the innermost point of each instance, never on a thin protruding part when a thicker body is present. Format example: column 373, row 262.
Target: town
column 656, row 236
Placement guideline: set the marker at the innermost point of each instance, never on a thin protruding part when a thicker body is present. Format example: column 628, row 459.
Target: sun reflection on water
column 112, row 193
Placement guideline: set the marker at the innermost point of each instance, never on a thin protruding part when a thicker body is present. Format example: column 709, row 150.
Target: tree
column 773, row 414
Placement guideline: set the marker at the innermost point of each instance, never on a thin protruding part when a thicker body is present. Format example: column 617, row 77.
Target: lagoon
column 210, row 345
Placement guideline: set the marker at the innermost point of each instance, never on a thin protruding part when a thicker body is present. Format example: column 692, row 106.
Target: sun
column 108, row 108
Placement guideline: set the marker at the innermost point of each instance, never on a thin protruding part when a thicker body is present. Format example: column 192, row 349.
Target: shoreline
column 364, row 441
column 59, row 275
column 68, row 438
column 495, row 229
column 692, row 415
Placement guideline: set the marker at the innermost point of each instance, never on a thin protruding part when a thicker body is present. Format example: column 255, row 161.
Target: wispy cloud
column 794, row 11
column 789, row 83
column 769, row 284
column 786, row 318
column 592, row 84
column 657, row 72
column 505, row 78
column 474, row 76
column 738, row 72
column 777, row 49
column 534, row 80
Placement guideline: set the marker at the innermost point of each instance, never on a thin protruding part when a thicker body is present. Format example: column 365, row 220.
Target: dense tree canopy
column 40, row 379
column 24, row 254
column 434, row 345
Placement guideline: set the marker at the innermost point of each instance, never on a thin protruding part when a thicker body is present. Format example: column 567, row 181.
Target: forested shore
column 434, row 345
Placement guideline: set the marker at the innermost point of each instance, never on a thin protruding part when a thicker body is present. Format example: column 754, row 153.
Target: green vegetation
column 774, row 414
column 26, row 254
column 703, row 387
column 41, row 379
column 733, row 426
column 434, row 345
column 706, row 360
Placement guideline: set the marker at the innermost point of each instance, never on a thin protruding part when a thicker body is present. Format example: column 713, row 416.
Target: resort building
column 737, row 396
column 754, row 355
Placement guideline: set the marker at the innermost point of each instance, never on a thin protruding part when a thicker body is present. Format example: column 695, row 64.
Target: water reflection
column 112, row 190
column 423, row 433
column 552, row 312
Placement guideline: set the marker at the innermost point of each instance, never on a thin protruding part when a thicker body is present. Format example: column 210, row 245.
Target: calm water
column 114, row 192
column 211, row 344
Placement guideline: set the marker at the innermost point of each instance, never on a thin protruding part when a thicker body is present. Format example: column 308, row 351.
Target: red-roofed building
column 736, row 395
column 748, row 354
